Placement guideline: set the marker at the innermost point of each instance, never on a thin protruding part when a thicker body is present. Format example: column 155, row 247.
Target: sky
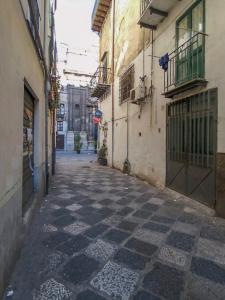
column 77, row 44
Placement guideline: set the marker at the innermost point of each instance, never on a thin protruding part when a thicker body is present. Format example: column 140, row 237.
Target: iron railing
column 186, row 63
column 101, row 77
column 144, row 5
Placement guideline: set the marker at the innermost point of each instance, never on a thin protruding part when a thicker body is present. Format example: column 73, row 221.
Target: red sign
column 96, row 120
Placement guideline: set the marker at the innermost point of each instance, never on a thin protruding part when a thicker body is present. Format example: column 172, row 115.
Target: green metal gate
column 191, row 146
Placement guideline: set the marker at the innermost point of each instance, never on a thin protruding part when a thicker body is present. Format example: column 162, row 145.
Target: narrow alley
column 100, row 234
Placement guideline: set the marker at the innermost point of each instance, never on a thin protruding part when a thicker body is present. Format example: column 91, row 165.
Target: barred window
column 126, row 84
column 60, row 126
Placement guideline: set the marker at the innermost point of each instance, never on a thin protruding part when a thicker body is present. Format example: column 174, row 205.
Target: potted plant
column 102, row 155
column 77, row 143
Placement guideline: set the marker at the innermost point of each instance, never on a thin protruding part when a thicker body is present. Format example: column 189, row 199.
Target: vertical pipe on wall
column 113, row 76
column 46, row 105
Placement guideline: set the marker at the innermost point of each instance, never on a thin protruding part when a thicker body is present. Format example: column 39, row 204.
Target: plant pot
column 78, row 151
column 102, row 161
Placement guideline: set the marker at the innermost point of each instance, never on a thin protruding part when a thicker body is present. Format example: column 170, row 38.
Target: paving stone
column 101, row 250
column 143, row 214
column 89, row 295
column 55, row 239
column 153, row 237
column 156, row 227
column 165, row 281
column 96, row 230
column 106, row 211
column 125, row 211
column 66, row 196
column 49, row 228
column 130, row 259
column 124, row 201
column 53, row 261
column 151, row 207
column 116, row 281
column 208, row 269
column 75, row 244
column 79, row 268
column 116, row 235
column 113, row 220
column 55, row 206
column 173, row 256
column 190, row 218
column 51, row 289
column 200, row 288
column 162, row 219
column 106, row 202
column 142, row 295
column 142, row 247
column 156, row 201
column 87, row 210
column 216, row 233
column 74, row 207
column 181, row 241
column 60, row 212
column 211, row 250
column 93, row 218
column 127, row 225
column 76, row 228
column 169, row 212
column 64, row 221
column 186, row 228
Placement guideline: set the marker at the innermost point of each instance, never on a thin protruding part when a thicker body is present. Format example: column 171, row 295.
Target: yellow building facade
column 27, row 54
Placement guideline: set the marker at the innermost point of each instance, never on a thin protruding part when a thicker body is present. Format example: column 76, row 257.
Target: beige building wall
column 19, row 63
column 147, row 123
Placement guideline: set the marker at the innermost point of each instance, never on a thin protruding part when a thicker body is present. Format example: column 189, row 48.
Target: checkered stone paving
column 102, row 235
column 50, row 290
column 115, row 281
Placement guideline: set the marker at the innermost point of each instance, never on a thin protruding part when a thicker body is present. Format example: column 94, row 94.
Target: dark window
column 126, row 84
column 60, row 126
column 104, row 64
column 62, row 109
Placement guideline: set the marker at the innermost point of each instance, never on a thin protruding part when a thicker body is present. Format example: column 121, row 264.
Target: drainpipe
column 46, row 108
column 113, row 77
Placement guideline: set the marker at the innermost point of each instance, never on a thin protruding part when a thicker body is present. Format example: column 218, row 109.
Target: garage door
column 191, row 146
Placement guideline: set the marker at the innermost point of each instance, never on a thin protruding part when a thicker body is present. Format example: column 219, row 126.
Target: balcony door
column 190, row 44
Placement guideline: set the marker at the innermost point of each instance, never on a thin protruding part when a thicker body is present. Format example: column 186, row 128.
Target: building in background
column 161, row 89
column 28, row 93
column 74, row 116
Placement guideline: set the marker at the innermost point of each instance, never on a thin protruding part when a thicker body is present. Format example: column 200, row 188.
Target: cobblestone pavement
column 103, row 235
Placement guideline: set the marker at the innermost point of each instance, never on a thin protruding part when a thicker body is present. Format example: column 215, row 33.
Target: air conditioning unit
column 137, row 95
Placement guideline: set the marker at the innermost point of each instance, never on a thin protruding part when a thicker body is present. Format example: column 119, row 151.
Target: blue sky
column 73, row 32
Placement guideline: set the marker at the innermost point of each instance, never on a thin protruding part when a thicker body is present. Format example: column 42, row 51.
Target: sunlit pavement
column 103, row 235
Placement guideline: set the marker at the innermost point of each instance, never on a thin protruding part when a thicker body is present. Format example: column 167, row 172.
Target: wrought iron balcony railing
column 186, row 66
column 100, row 82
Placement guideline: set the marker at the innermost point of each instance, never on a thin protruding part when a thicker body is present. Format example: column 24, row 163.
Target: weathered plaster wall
column 18, row 61
column 147, row 132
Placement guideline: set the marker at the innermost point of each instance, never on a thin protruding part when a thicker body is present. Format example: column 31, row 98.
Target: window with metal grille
column 60, row 126
column 126, row 84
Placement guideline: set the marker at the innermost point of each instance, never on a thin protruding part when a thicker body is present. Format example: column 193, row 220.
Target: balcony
column 99, row 14
column 152, row 12
column 60, row 116
column 186, row 67
column 100, row 82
